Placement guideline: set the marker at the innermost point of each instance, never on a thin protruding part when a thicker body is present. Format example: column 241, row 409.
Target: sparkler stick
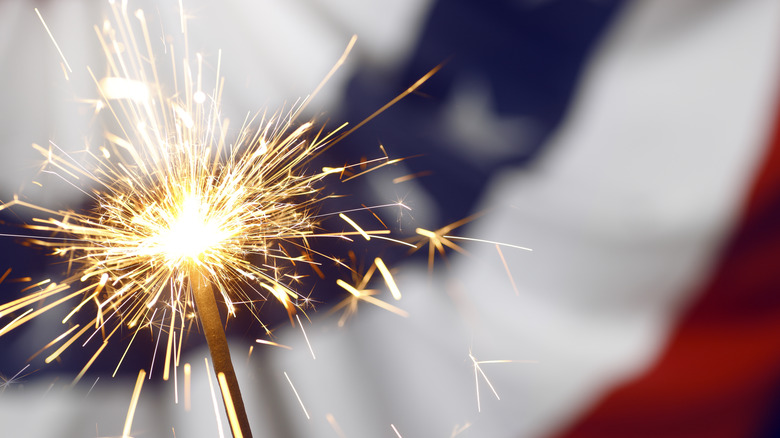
column 208, row 312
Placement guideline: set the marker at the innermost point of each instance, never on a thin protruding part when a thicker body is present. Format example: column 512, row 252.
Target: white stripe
column 639, row 192
column 624, row 214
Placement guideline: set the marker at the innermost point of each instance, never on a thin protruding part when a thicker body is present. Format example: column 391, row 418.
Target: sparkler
column 437, row 240
column 183, row 212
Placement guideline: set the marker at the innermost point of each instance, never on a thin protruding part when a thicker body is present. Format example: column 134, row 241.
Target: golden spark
column 438, row 239
column 358, row 293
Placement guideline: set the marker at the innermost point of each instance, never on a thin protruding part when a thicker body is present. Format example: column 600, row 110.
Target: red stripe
column 719, row 374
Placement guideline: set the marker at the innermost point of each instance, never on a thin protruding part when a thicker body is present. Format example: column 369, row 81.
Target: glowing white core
column 191, row 233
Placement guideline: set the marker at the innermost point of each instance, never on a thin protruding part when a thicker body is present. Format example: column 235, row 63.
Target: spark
column 355, row 226
column 388, row 278
column 458, row 429
column 335, row 425
column 396, row 431
column 357, row 294
column 8, row 382
column 409, row 90
column 394, row 204
column 263, row 341
column 437, row 239
column 311, row 350
column 89, row 363
column 231, row 409
column 154, row 355
column 489, row 241
column 57, row 339
column 187, row 387
column 478, row 372
column 220, row 432
column 386, row 162
column 175, row 384
column 53, row 40
column 5, row 275
column 15, row 322
column 139, row 383
column 297, row 396
column 506, row 268
column 92, row 387
column 48, row 390
column 411, row 176
column 40, row 283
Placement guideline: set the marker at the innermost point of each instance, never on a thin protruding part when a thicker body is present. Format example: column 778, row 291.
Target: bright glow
column 191, row 233
column 123, row 88
column 199, row 97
